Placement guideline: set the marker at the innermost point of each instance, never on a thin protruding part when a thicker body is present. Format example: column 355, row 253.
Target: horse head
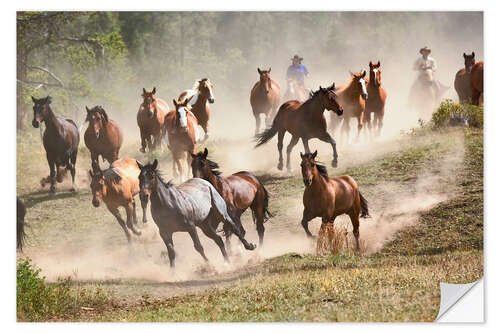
column 265, row 79
column 181, row 111
column 200, row 165
column 469, row 61
column 148, row 180
column 359, row 81
column 328, row 99
column 206, row 89
column 149, row 101
column 97, row 119
column 307, row 165
column 39, row 108
column 97, row 185
column 375, row 76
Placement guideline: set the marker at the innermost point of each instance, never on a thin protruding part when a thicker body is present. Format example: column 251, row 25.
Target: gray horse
column 194, row 203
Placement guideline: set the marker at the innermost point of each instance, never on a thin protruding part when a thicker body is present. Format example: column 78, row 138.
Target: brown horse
column 60, row 140
column 103, row 136
column 240, row 191
column 476, row 82
column 462, row 79
column 376, row 101
column 330, row 197
column 352, row 97
column 150, row 119
column 203, row 91
column 264, row 98
column 303, row 120
column 117, row 187
column 180, row 125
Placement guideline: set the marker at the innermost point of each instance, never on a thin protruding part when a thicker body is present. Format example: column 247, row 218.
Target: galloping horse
column 264, row 98
column 376, row 101
column 462, row 79
column 60, row 140
column 194, row 203
column 201, row 93
column 103, row 136
column 352, row 97
column 117, row 187
column 240, row 191
column 150, row 119
column 303, row 120
column 181, row 124
column 330, row 197
column 476, row 82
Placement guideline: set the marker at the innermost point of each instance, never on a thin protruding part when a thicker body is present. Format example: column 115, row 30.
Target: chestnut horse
column 180, row 125
column 376, row 101
column 328, row 198
column 352, row 97
column 240, row 191
column 462, row 79
column 117, row 187
column 150, row 119
column 103, row 136
column 305, row 121
column 60, row 140
column 203, row 91
column 476, row 82
column 264, row 98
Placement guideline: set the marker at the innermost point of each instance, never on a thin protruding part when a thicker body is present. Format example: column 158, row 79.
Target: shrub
column 450, row 112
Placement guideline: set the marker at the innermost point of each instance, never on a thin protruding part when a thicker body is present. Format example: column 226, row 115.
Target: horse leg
column 354, row 215
column 210, row 233
column 306, row 217
column 169, row 243
column 196, row 241
column 149, row 141
column 305, row 142
column 130, row 210
column 258, row 217
column 205, row 129
column 143, row 140
column 345, row 130
column 476, row 94
column 189, row 160
column 52, row 176
column 144, row 206
column 360, row 126
column 380, row 123
column 281, row 134
column 289, row 148
column 116, row 214
column 227, row 232
column 326, row 137
column 257, row 122
column 178, row 161
column 73, row 171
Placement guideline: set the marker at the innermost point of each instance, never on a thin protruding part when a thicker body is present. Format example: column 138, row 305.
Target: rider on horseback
column 425, row 64
column 296, row 73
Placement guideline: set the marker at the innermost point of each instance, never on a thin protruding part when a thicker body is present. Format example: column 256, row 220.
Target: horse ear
column 378, row 63
column 465, row 55
column 187, row 100
column 155, row 164
column 473, row 55
column 86, row 108
column 364, row 73
column 258, row 70
column 314, row 154
column 333, row 86
column 139, row 165
column 33, row 99
column 175, row 103
column 301, row 155
column 205, row 153
column 143, row 91
column 192, row 155
column 154, row 90
column 350, row 72
column 269, row 70
column 370, row 64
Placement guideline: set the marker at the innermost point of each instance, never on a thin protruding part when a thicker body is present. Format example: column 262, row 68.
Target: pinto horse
column 264, row 98
column 476, row 82
column 203, row 91
column 352, row 97
column 117, row 187
column 150, row 119
column 194, row 203
column 103, row 136
column 462, row 79
column 303, row 121
column 240, row 191
column 60, row 140
column 180, row 125
column 328, row 198
column 376, row 101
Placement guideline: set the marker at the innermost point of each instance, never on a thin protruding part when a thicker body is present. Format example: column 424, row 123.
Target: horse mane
column 101, row 110
column 322, row 170
column 111, row 175
column 196, row 86
column 159, row 174
column 214, row 166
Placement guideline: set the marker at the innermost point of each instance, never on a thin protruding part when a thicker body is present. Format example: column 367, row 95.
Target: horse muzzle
column 211, row 100
column 96, row 202
column 144, row 197
column 35, row 123
column 307, row 181
column 340, row 112
column 364, row 96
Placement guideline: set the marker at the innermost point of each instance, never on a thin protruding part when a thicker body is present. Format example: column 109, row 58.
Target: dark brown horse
column 240, row 191
column 180, row 126
column 202, row 92
column 60, row 140
column 352, row 97
column 375, row 104
column 330, row 197
column 103, row 137
column 303, row 121
column 462, row 79
column 150, row 119
column 264, row 98
column 476, row 82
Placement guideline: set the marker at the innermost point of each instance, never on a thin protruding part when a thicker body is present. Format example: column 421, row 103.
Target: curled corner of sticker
column 451, row 294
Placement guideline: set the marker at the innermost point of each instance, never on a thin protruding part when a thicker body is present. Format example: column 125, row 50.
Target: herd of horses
column 210, row 198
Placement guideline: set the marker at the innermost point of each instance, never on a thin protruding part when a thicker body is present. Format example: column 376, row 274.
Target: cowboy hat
column 296, row 57
column 425, row 48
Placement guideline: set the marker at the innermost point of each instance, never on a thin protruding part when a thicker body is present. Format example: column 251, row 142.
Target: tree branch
column 45, row 70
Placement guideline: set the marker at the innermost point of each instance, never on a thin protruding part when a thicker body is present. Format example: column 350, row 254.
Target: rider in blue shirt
column 297, row 71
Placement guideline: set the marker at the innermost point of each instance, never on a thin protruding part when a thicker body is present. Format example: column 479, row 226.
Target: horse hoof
column 280, row 166
column 52, row 190
column 142, row 150
column 334, row 163
column 251, row 246
column 72, row 189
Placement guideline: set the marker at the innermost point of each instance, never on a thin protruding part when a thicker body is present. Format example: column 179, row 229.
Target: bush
column 38, row 300
column 450, row 113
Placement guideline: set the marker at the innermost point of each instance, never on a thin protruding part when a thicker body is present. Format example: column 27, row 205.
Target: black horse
column 21, row 212
column 194, row 203
column 60, row 140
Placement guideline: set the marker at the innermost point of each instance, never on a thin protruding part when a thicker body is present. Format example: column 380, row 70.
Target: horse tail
column 267, row 213
column 364, row 206
column 271, row 131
